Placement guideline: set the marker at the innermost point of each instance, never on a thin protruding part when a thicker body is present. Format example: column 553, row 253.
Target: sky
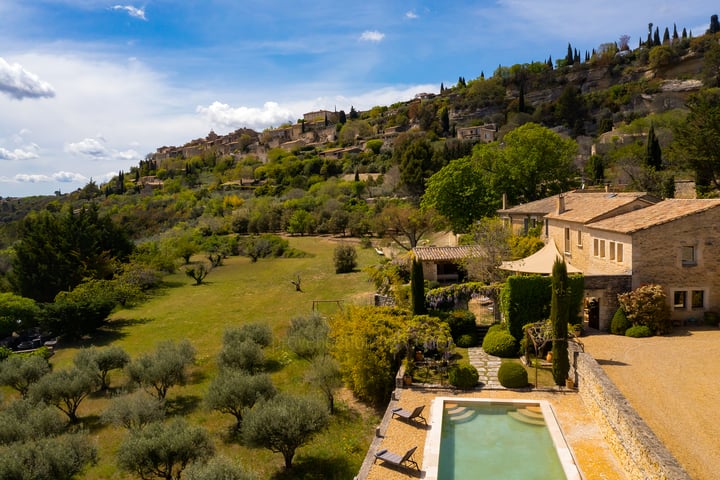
column 90, row 87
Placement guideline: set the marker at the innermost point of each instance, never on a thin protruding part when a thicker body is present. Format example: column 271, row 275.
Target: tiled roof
column 662, row 212
column 434, row 254
column 586, row 207
column 580, row 206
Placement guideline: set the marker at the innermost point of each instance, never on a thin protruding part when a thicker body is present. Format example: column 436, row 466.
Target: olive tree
column 235, row 391
column 164, row 368
column 163, row 450
column 217, row 468
column 324, row 373
column 284, row 424
column 308, row 336
column 65, row 389
column 134, row 411
column 99, row 362
column 20, row 372
column 53, row 458
column 22, row 420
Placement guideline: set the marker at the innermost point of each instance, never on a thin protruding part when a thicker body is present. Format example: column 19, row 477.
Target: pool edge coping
column 431, row 453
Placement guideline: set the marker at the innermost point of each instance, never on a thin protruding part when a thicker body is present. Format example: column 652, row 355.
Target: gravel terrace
column 594, row 456
column 671, row 382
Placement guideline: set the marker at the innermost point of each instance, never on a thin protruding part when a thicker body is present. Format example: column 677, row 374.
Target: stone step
column 520, row 417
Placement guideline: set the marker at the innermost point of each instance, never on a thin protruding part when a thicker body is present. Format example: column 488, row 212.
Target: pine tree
column 649, row 42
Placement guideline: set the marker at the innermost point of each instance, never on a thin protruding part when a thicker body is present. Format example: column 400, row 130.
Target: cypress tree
column 560, row 315
column 666, row 36
column 714, row 25
column 569, row 56
column 656, row 37
column 649, row 42
column 675, row 34
column 684, row 33
column 417, row 281
column 653, row 152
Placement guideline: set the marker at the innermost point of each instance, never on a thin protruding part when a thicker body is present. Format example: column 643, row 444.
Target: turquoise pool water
column 496, row 441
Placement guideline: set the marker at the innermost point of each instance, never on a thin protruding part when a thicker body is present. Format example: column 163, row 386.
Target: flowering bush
column 647, row 305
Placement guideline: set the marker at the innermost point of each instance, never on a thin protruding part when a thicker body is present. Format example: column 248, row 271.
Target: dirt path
column 672, row 382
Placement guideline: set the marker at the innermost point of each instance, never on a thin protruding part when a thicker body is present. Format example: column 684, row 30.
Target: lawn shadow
column 182, row 405
column 110, row 332
column 309, row 466
column 88, row 423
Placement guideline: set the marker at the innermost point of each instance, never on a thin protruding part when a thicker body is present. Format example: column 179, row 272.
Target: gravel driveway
column 672, row 382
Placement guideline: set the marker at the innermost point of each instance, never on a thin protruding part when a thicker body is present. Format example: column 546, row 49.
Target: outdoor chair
column 397, row 460
column 408, row 415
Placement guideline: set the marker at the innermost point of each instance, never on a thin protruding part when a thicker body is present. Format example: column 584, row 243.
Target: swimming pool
column 496, row 439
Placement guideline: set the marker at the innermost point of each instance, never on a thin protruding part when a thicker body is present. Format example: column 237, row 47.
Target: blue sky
column 89, row 87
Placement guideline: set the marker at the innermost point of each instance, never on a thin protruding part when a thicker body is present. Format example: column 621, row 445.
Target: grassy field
column 236, row 293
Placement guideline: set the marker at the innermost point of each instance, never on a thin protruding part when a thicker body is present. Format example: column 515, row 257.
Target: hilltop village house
column 620, row 241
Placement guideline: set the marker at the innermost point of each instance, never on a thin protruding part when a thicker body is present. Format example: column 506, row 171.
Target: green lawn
column 236, row 293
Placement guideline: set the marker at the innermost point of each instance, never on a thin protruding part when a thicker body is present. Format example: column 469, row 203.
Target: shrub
column 461, row 322
column 463, row 376
column 466, row 341
column 500, row 343
column 646, row 305
column 638, row 331
column 512, row 375
column 345, row 258
column 619, row 323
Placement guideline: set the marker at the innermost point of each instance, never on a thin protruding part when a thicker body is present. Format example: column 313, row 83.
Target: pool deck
column 591, row 452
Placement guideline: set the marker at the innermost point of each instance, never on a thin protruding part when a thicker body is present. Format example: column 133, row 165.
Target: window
column 679, row 300
column 596, row 248
column 602, row 248
column 579, row 239
column 567, row 240
column 612, row 250
column 619, row 256
column 687, row 255
column 697, row 299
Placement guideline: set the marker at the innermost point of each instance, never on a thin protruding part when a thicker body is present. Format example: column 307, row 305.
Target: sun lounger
column 408, row 415
column 396, row 459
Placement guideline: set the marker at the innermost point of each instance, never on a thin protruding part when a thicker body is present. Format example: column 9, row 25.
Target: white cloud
column 411, row 15
column 27, row 178
column 372, row 36
column 223, row 115
column 18, row 83
column 68, row 177
column 132, row 11
column 89, row 147
column 25, row 153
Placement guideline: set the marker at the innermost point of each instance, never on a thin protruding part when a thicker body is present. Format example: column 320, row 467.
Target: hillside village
column 494, row 223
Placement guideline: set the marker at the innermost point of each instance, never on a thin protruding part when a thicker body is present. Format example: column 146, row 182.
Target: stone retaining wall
column 641, row 453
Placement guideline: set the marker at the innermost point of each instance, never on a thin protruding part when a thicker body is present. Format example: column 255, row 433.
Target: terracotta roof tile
column 433, row 254
column 662, row 212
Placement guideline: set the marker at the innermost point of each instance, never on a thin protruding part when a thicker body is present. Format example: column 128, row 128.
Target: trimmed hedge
column 619, row 323
column 512, row 375
column 466, row 341
column 639, row 331
column 526, row 299
column 463, row 376
column 500, row 343
column 462, row 324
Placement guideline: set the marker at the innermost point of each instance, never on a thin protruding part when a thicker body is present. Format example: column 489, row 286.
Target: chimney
column 560, row 203
column 504, row 201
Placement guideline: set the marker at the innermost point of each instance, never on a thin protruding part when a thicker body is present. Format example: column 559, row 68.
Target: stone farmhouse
column 485, row 133
column 620, row 241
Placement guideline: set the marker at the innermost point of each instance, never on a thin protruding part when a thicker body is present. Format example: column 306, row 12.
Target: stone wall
column 606, row 289
column 641, row 453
